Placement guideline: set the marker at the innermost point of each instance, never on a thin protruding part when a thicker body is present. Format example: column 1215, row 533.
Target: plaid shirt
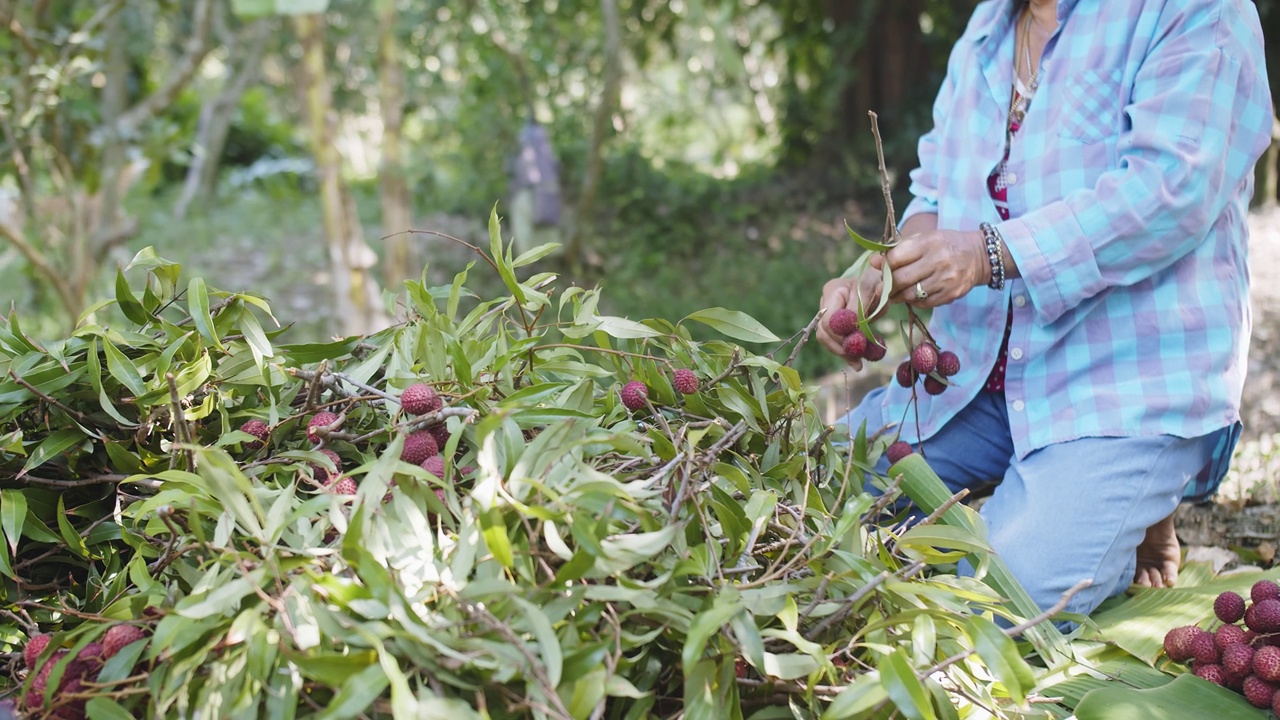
column 1129, row 184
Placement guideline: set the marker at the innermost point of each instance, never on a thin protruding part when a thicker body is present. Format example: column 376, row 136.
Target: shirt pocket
column 1091, row 106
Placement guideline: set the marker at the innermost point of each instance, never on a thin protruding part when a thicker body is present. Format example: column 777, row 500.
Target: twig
column 951, row 502
column 185, row 438
column 804, row 337
column 65, row 484
column 891, row 222
column 734, row 360
column 477, row 250
column 52, row 401
column 1018, row 629
column 846, row 605
column 317, row 383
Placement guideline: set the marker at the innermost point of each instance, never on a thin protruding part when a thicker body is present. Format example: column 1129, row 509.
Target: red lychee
column 906, row 376
column 434, row 465
column 843, row 321
column 441, row 434
column 118, row 636
column 1258, row 692
column 924, row 358
column 1237, row 659
column 1177, row 642
column 948, row 363
column 1264, row 590
column 35, row 646
column 258, row 429
column 1275, row 704
column 318, row 421
column 418, row 447
column 855, row 346
column 1229, row 607
column 1266, row 663
column 934, row 386
column 875, row 351
column 1203, row 649
column 343, row 486
column 420, row 399
column 897, row 451
column 1264, row 616
column 319, row 471
column 1213, row 673
column 684, row 381
column 1228, row 635
column 634, row 395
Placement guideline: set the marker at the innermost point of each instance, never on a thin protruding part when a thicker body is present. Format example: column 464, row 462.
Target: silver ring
column 920, row 293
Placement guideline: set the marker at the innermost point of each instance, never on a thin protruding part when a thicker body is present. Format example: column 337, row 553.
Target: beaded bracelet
column 995, row 256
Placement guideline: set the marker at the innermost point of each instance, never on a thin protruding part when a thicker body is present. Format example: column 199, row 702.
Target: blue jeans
column 1068, row 511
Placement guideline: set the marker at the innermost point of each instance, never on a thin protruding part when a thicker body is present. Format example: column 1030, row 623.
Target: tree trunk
column 393, row 185
column 357, row 298
column 600, row 129
column 217, row 114
column 891, row 43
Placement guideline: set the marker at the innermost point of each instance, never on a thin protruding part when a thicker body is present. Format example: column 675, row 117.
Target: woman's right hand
column 845, row 293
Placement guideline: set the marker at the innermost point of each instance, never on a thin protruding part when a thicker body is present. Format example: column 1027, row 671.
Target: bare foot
column 1158, row 556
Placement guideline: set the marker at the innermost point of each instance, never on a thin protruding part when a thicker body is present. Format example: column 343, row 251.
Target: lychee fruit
column 318, row 421
column 924, row 358
column 843, row 321
column 906, row 376
column 420, row 399
column 1264, row 590
column 35, row 646
column 634, row 395
column 418, row 447
column 1213, row 673
column 258, row 429
column 441, row 434
column 897, row 451
column 343, row 486
column 934, row 386
column 1258, row 692
column 948, row 363
column 1266, row 663
column 1264, row 616
column 1177, row 642
column 855, row 346
column 684, row 381
column 434, row 465
column 875, row 351
column 318, row 470
column 740, row 668
column 1229, row 607
column 1275, row 704
column 1203, row 649
column 1228, row 635
column 118, row 636
column 1237, row 659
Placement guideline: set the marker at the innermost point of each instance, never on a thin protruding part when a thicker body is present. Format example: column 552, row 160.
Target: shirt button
column 1015, row 353
column 1018, row 405
column 1020, row 300
column 1011, row 178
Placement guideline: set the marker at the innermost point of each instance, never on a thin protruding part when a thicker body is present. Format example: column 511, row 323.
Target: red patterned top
column 998, row 186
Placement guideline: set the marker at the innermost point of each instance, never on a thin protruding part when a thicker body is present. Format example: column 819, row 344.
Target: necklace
column 1018, row 101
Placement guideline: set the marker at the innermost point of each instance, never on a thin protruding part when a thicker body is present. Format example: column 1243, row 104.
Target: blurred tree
column 397, row 214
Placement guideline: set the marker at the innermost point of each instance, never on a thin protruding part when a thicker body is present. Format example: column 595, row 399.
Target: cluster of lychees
column 1245, row 659
column 635, row 393
column 82, row 668
column 927, row 363
column 857, row 345
column 421, row 447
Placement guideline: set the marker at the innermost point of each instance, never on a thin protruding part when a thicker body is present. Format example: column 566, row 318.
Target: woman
column 1079, row 230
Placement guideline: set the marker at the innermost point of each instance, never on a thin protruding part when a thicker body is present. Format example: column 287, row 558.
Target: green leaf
column 727, row 604
column 13, row 514
column 1186, row 698
column 866, row 244
column 1000, row 653
column 494, row 527
column 624, row 329
column 129, row 304
column 859, row 697
column 258, row 342
column 356, row 694
column 903, row 687
column 101, row 708
column 51, row 447
column 198, row 306
column 70, row 536
column 943, row 537
column 735, row 324
column 548, row 643
column 500, row 257
column 122, row 369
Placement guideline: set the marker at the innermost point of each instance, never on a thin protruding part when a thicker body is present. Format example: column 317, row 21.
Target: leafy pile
column 704, row 555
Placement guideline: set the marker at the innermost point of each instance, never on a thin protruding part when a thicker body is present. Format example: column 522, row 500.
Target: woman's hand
column 845, row 293
column 946, row 263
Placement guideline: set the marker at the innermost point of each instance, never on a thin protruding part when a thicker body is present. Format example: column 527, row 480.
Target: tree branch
column 197, row 47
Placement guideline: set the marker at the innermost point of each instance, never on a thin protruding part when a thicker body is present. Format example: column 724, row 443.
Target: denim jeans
column 1068, row 511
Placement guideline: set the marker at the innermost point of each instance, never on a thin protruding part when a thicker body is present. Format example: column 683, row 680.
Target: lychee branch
column 804, row 337
column 329, row 380
column 72, row 412
column 105, row 479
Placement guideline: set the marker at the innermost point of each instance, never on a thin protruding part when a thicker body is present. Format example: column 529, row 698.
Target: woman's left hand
column 947, row 264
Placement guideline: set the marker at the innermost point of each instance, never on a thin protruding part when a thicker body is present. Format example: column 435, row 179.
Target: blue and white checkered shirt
column 1129, row 184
